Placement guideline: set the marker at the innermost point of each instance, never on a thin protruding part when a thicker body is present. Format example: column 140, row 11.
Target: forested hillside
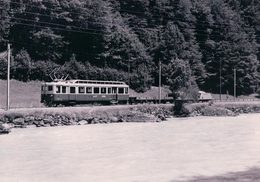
column 195, row 41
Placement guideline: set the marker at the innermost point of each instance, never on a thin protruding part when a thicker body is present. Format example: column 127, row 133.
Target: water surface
column 136, row 152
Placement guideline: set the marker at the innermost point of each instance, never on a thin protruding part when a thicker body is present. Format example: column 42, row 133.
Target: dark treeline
column 195, row 41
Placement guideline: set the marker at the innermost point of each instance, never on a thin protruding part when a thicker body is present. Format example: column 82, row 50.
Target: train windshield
column 50, row 88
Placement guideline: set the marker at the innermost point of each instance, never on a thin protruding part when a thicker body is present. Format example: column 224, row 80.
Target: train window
column 114, row 90
column 81, row 90
column 109, row 90
column 72, row 90
column 96, row 90
column 103, row 90
column 63, row 89
column 50, row 88
column 120, row 90
column 89, row 90
column 58, row 89
column 126, row 90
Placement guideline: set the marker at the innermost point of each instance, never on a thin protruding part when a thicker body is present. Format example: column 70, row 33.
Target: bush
column 3, row 68
column 42, row 69
column 198, row 109
column 243, row 108
column 180, row 110
column 258, row 92
column 140, row 81
column 22, row 66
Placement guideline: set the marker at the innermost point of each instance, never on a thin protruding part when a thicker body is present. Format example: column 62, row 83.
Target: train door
column 44, row 88
column 114, row 93
column 72, row 94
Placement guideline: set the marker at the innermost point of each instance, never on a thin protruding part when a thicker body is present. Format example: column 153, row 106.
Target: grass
column 69, row 112
column 152, row 93
column 201, row 109
column 21, row 94
column 86, row 115
column 27, row 95
column 221, row 108
column 227, row 97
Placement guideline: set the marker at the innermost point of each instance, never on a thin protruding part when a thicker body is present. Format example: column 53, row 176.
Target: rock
column 46, row 125
column 73, row 123
column 95, row 121
column 5, row 128
column 48, row 120
column 31, row 126
column 64, row 118
column 158, row 120
column 104, row 120
column 161, row 117
column 57, row 120
column 29, row 119
column 5, row 119
column 18, row 121
column 136, row 116
column 52, row 123
column 19, row 126
column 41, row 123
column 122, row 120
column 36, row 122
column 83, row 122
column 114, row 119
column 89, row 120
column 37, row 118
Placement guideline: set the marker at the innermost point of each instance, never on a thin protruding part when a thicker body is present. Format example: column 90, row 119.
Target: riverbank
column 220, row 109
column 43, row 117
column 60, row 116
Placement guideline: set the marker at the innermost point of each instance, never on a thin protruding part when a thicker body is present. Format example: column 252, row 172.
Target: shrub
column 180, row 110
column 42, row 69
column 22, row 65
column 3, row 68
column 198, row 109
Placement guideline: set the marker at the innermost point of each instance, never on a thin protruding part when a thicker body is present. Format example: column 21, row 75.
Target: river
column 177, row 149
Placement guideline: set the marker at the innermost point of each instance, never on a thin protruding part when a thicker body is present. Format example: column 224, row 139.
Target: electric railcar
column 71, row 92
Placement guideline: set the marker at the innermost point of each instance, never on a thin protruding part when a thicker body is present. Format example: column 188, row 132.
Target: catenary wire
column 26, row 4
column 85, row 9
column 97, row 31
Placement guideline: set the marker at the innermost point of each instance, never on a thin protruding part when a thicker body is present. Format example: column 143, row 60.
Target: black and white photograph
column 129, row 91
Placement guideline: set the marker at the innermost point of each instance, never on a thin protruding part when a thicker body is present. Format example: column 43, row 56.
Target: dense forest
column 199, row 43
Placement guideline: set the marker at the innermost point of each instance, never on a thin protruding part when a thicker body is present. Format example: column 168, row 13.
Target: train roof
column 101, row 82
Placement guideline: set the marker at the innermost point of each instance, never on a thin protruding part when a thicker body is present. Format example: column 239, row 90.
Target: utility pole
column 160, row 80
column 8, row 77
column 128, row 72
column 220, row 80
column 235, row 82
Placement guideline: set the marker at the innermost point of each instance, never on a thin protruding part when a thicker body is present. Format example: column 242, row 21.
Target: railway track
column 238, row 101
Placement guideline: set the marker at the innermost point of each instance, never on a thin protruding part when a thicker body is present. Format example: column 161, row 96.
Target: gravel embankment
column 43, row 117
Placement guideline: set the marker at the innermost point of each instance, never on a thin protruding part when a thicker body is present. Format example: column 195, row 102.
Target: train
column 72, row 92
column 204, row 96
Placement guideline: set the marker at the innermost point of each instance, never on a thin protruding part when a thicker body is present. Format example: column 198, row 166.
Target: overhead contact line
column 121, row 10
